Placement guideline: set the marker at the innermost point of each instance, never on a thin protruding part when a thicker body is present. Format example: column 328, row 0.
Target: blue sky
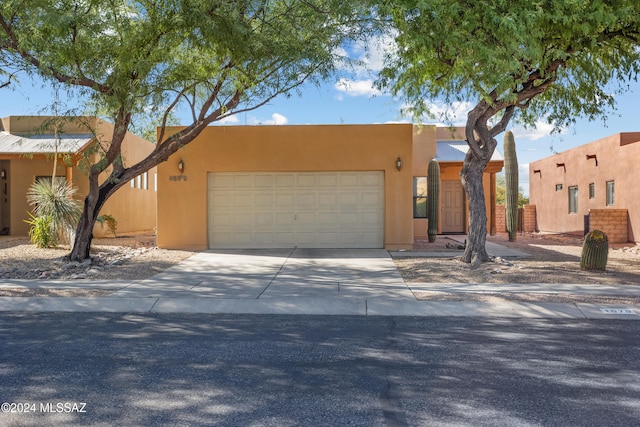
column 353, row 99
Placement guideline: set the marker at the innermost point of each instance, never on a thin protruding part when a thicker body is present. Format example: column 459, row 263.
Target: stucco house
column 312, row 186
column 27, row 147
column 593, row 186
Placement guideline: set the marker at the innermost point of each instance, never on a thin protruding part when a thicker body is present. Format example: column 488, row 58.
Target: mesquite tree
column 211, row 59
column 515, row 58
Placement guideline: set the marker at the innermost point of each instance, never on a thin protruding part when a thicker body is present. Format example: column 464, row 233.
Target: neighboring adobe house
column 312, row 186
column 27, row 147
column 591, row 186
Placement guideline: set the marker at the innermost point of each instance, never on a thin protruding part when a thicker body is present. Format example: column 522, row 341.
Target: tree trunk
column 471, row 176
column 93, row 203
column 84, row 232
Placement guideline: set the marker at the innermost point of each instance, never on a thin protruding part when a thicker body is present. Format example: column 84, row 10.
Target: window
column 145, row 181
column 573, row 199
column 558, row 187
column 592, row 191
column 611, row 192
column 419, row 196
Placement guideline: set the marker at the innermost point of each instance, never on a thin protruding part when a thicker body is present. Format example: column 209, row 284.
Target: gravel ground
column 120, row 258
column 556, row 260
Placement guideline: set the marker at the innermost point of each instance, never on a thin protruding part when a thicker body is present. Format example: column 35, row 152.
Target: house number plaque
column 178, row 178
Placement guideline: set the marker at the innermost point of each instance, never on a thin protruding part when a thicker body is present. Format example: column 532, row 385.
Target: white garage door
column 297, row 209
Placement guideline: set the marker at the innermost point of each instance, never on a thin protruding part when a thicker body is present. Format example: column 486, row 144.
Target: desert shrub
column 112, row 224
column 41, row 232
column 55, row 200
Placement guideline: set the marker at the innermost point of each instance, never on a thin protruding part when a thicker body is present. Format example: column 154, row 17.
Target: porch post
column 69, row 174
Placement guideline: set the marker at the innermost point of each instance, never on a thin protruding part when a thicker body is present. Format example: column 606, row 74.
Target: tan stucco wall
column 424, row 149
column 22, row 175
column 182, row 204
column 29, row 125
column 134, row 209
column 617, row 157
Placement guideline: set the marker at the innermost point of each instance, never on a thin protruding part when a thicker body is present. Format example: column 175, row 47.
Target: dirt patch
column 41, row 292
column 555, row 260
column 121, row 258
column 533, row 297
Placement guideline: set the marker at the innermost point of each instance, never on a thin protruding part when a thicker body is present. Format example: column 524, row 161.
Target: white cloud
column 443, row 114
column 370, row 54
column 229, row 120
column 276, row 120
column 523, row 178
column 540, row 130
column 356, row 87
column 376, row 50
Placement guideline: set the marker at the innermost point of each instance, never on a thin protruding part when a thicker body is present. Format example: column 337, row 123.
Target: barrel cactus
column 511, row 181
column 595, row 251
column 433, row 197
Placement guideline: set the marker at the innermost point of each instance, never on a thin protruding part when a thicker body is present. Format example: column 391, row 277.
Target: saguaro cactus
column 433, row 198
column 595, row 251
column 511, row 181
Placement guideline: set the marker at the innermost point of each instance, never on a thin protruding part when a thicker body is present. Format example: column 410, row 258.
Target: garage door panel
column 264, row 239
column 327, row 218
column 349, row 180
column 304, row 209
column 283, row 200
column 264, row 181
column 308, row 181
column 306, row 201
column 285, row 181
column 240, row 181
column 263, row 201
column 264, row 219
column 284, row 239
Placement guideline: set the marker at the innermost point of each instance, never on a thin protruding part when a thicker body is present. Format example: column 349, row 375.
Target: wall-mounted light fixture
column 399, row 164
column 561, row 165
column 537, row 171
column 181, row 165
column 3, row 174
column 594, row 157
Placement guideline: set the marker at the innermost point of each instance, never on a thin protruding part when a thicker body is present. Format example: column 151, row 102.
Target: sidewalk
column 309, row 282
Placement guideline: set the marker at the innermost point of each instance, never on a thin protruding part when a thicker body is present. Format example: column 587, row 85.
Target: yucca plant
column 55, row 200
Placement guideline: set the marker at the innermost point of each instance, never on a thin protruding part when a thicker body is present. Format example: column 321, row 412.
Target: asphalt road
column 201, row 370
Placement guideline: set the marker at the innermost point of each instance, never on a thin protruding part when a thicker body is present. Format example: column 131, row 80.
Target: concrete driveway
column 278, row 273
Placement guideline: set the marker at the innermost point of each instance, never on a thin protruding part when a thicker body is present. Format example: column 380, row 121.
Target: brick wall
column 526, row 219
column 529, row 219
column 613, row 222
column 501, row 218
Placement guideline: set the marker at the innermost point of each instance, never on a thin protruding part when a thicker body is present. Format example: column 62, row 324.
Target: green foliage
column 516, row 58
column 501, row 192
column 41, row 232
column 132, row 60
column 595, row 251
column 547, row 58
column 55, row 202
column 433, row 198
column 112, row 224
column 511, row 183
